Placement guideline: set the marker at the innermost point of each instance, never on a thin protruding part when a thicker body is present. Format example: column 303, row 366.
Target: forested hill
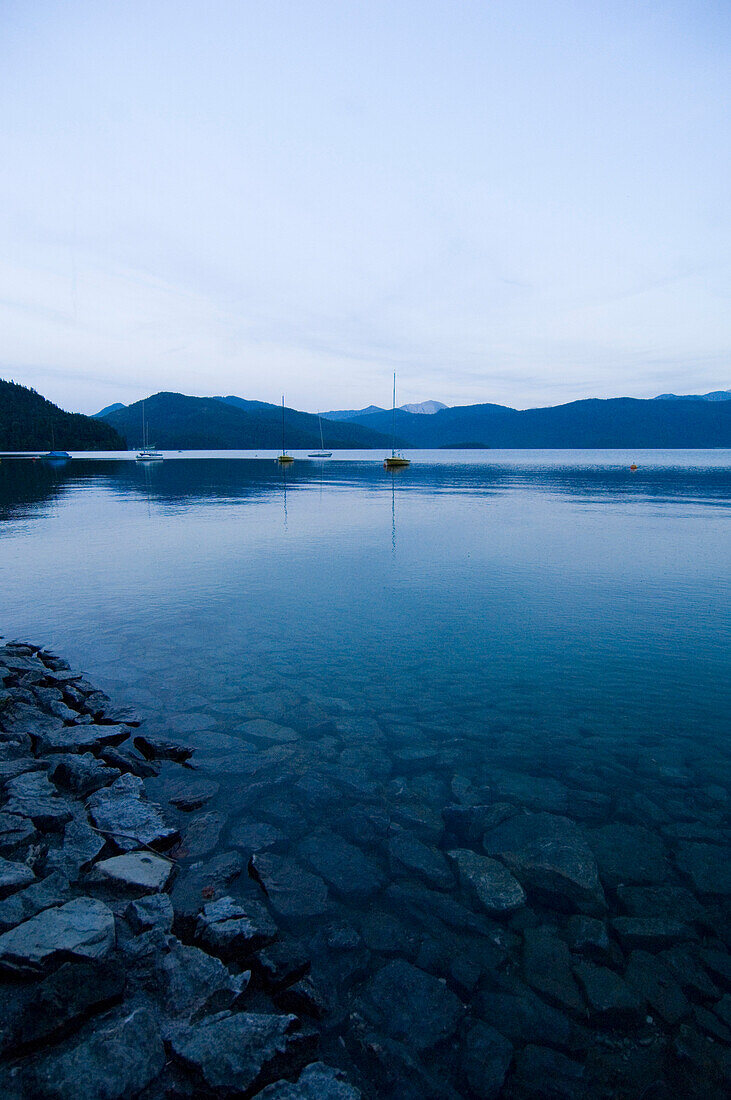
column 28, row 422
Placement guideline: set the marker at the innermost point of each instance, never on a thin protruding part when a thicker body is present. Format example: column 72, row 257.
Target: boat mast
column 393, row 419
column 322, row 445
column 282, row 423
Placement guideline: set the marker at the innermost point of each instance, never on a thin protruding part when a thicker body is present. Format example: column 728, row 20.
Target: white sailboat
column 395, row 461
column 148, row 452
column 321, row 453
column 284, row 459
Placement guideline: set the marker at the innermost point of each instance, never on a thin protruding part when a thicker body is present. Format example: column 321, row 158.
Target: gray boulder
column 486, row 1056
column 83, row 927
column 82, row 774
column 122, row 812
column 236, row 1055
column 190, row 983
column 231, row 929
column 493, row 886
column 32, row 796
column 316, row 1082
column 551, row 859
column 50, row 891
column 407, row 853
column 81, row 845
column 409, row 1004
column 141, row 871
column 13, row 876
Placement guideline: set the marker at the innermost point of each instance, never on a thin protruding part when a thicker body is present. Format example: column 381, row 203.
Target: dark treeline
column 28, row 422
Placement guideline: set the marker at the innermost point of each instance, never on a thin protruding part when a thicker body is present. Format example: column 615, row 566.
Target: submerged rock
column 234, row 1054
column 485, row 1056
column 407, row 853
column 610, row 999
column 316, row 1082
column 409, row 1004
column 491, row 883
column 343, row 866
column 157, row 748
column 292, row 891
column 550, row 857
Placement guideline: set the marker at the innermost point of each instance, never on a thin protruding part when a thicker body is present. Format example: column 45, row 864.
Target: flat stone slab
column 628, row 854
column 83, row 927
column 610, row 999
column 292, row 891
column 254, row 836
column 188, row 981
column 236, row 1053
column 13, row 876
column 270, row 733
column 231, row 929
column 157, row 748
column 32, row 795
column 15, row 832
column 191, row 794
column 489, row 881
column 343, row 866
column 707, row 866
column 81, row 737
column 411, row 1005
column 551, row 858
column 80, row 774
column 81, row 845
column 316, row 1082
column 21, row 906
column 121, row 811
column 137, row 870
column 408, row 853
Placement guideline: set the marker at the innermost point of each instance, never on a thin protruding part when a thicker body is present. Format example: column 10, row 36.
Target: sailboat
column 148, row 452
column 395, row 461
column 322, row 453
column 284, row 459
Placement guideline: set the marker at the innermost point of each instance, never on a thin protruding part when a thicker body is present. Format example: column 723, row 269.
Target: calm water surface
column 477, row 623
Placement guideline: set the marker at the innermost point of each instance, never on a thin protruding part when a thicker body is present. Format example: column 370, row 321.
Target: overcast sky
column 521, row 201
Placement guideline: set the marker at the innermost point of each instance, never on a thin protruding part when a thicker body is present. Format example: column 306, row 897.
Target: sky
column 518, row 201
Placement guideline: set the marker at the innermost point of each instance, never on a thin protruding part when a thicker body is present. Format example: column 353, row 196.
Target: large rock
column 316, row 1082
column 611, row 1000
column 16, row 832
column 407, row 853
column 36, row 1013
column 343, row 866
column 81, row 738
column 628, row 854
column 411, row 1005
column 13, row 876
column 111, row 1063
column 292, row 891
column 654, row 981
column 50, row 891
column 236, row 1055
column 707, row 867
column 547, row 968
column 81, row 845
column 231, row 929
column 551, row 859
column 486, row 1056
column 544, row 1074
column 140, row 871
column 157, row 748
column 189, row 982
column 261, row 729
column 34, row 797
column 81, row 775
column 83, row 927
column 489, row 882
column 201, row 836
column 122, row 812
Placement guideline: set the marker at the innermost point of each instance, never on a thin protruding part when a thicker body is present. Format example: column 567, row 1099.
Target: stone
column 531, row 792
column 32, row 795
column 407, row 853
column 232, row 930
column 718, row 964
column 488, row 881
column 201, row 836
column 82, row 774
column 485, row 1056
column 121, row 812
column 651, row 933
column 36, row 1013
column 261, row 729
column 13, row 876
column 241, row 1053
column 611, row 1000
column 411, row 1005
column 551, row 859
column 157, row 748
column 707, row 868
column 281, row 964
column 81, row 737
column 15, row 832
column 588, row 936
column 692, row 977
column 82, row 927
column 657, row 984
column 128, row 762
column 316, row 1082
column 547, row 968
column 470, row 823
column 154, row 911
column 190, row 983
column 50, row 891
column 113, row 1062
column 302, row 998
column 672, row 902
column 522, row 1017
column 292, row 891
column 191, row 794
column 142, row 871
column 254, row 836
column 546, row 1074
column 629, row 854
column 344, row 867
column 81, row 846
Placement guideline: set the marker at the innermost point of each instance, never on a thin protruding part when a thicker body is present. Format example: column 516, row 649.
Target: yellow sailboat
column 284, row 459
column 395, row 461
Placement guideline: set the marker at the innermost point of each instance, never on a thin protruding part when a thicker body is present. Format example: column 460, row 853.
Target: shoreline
column 107, row 989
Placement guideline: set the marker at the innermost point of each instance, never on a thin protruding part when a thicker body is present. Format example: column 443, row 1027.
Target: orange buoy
column 633, row 467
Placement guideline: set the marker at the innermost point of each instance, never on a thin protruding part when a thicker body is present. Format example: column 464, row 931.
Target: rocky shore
column 107, row 991
column 367, row 911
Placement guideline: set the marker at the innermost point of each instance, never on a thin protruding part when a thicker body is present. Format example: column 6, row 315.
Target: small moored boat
column 395, row 461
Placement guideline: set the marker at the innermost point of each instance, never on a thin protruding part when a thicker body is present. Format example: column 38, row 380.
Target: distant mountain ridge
column 421, row 408
column 28, row 422
column 714, row 395
column 178, row 422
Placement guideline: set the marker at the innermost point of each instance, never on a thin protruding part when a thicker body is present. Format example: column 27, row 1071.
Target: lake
column 366, row 656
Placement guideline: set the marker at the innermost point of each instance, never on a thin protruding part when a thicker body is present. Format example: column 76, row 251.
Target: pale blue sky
column 521, row 201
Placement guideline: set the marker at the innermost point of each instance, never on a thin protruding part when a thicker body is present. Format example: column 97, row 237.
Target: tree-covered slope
column 28, row 422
